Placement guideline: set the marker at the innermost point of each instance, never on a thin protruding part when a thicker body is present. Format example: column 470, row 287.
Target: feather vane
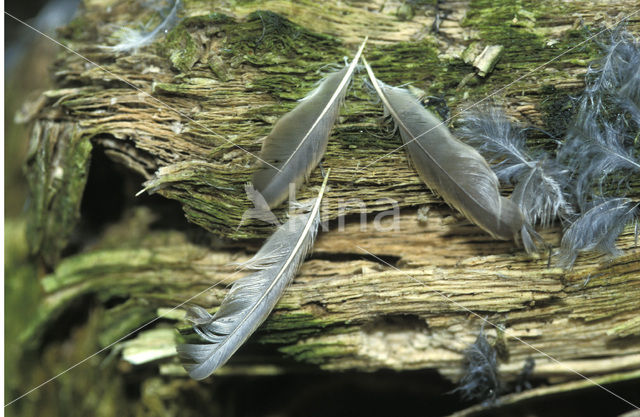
column 298, row 140
column 251, row 298
column 449, row 167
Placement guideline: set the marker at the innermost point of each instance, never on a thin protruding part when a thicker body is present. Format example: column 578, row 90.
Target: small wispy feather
column 298, row 140
column 480, row 381
column 451, row 168
column 600, row 141
column 539, row 180
column 251, row 298
column 601, row 150
column 597, row 229
column 629, row 93
column 615, row 77
column 595, row 149
column 130, row 40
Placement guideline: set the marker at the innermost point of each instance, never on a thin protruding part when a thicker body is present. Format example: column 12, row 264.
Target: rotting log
column 187, row 113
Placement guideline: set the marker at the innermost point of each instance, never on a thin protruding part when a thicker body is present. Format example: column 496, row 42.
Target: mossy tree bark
column 188, row 112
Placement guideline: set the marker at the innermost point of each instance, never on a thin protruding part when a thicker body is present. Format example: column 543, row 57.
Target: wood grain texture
column 218, row 82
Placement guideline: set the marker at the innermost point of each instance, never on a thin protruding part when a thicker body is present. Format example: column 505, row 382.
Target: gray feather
column 251, row 298
column 601, row 150
column 297, row 142
column 539, row 180
column 596, row 148
column 481, row 380
column 597, row 229
column 629, row 93
column 615, row 77
column 452, row 169
column 608, row 152
column 602, row 139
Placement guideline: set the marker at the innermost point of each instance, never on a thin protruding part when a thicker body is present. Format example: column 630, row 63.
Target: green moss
column 289, row 327
column 22, row 296
column 57, row 169
column 219, row 68
column 412, row 61
column 208, row 20
column 181, row 48
column 558, row 109
column 123, row 319
column 265, row 32
column 405, row 12
column 264, row 39
column 500, row 24
column 81, row 28
column 512, row 24
column 489, row 14
column 315, row 353
column 284, row 87
column 191, row 183
column 179, row 89
column 289, row 54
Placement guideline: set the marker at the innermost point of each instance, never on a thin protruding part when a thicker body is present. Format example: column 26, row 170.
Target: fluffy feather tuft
column 615, row 77
column 597, row 229
column 596, row 148
column 600, row 141
column 539, row 180
column 480, row 381
column 601, row 150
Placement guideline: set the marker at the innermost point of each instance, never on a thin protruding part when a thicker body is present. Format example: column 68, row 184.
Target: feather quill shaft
column 449, row 167
column 298, row 140
column 251, row 298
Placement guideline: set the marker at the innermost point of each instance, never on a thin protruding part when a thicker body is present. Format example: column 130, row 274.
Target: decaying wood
column 372, row 296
